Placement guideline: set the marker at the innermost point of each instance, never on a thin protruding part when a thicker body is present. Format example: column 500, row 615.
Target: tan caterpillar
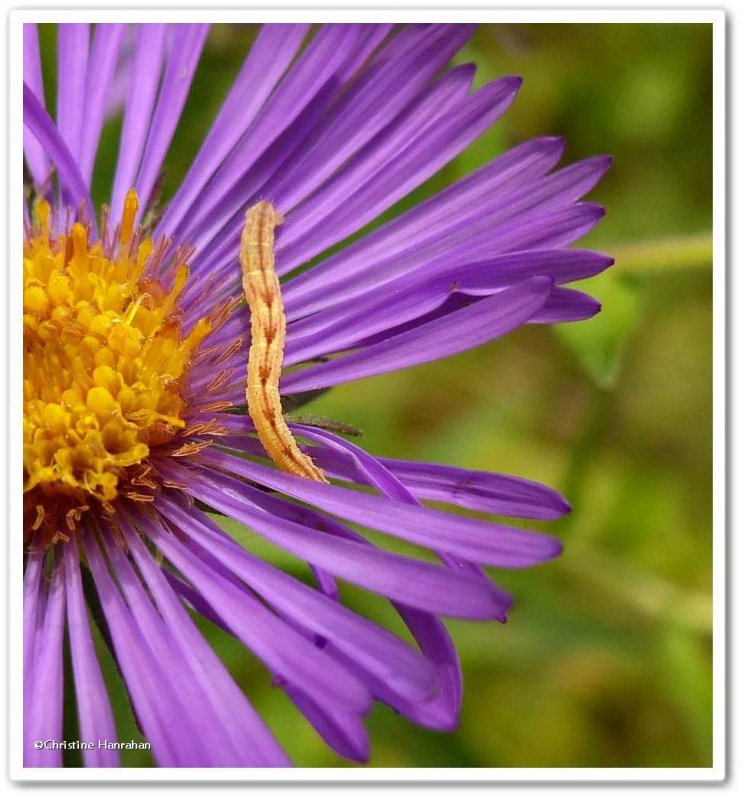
column 268, row 330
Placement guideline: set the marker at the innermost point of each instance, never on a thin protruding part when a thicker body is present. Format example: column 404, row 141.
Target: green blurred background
column 606, row 659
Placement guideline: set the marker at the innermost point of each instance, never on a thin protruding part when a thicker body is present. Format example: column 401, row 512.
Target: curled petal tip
column 513, row 81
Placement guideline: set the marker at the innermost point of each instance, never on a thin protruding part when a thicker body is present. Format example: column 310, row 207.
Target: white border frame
column 460, row 775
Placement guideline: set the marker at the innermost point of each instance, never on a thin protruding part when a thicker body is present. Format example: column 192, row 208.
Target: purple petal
column 118, row 88
column 107, row 40
column 376, row 474
column 186, row 48
column 471, row 539
column 326, row 582
column 284, row 651
column 330, row 48
column 440, row 712
column 72, row 61
column 34, row 602
column 144, row 80
column 36, row 119
column 559, row 189
column 384, row 91
column 247, row 741
column 401, row 159
column 218, row 235
column 563, row 266
column 271, row 54
column 566, row 305
column 368, row 467
column 468, row 327
column 34, row 605
column 342, row 731
column 544, row 230
column 42, row 717
column 381, row 653
column 419, row 583
column 422, row 291
column 191, row 688
column 95, row 716
column 36, row 157
column 403, row 243
column 488, row 492
column 371, row 37
column 159, row 713
column 194, row 600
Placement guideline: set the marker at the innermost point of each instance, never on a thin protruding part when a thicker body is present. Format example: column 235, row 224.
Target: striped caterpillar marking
column 268, row 329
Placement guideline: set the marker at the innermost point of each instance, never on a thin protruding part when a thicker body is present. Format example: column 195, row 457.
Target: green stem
column 585, row 447
column 684, row 252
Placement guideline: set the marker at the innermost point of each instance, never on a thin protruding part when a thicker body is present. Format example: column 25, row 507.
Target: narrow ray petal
column 104, row 53
column 39, row 123
column 450, row 334
column 36, row 156
column 471, row 539
column 42, row 718
column 143, row 87
column 72, row 56
column 92, row 698
column 186, row 48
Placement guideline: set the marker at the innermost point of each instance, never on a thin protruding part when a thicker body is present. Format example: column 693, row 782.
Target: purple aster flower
column 136, row 335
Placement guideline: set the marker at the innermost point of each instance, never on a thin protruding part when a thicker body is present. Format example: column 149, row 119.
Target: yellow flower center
column 104, row 363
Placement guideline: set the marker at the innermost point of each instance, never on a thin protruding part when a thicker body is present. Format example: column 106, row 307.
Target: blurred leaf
column 686, row 679
column 599, row 343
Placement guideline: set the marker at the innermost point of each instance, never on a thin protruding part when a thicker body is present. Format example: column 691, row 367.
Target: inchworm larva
column 268, row 328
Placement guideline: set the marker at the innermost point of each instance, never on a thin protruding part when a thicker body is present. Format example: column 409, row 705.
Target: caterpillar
column 268, row 332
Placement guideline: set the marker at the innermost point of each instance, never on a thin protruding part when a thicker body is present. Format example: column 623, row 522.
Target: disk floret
column 105, row 358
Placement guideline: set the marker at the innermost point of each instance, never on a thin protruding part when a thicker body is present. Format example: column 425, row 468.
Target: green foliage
column 599, row 343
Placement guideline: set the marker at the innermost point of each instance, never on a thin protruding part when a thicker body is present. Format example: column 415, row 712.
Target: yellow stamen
column 104, row 359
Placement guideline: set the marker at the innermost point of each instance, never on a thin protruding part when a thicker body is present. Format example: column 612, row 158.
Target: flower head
column 160, row 348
